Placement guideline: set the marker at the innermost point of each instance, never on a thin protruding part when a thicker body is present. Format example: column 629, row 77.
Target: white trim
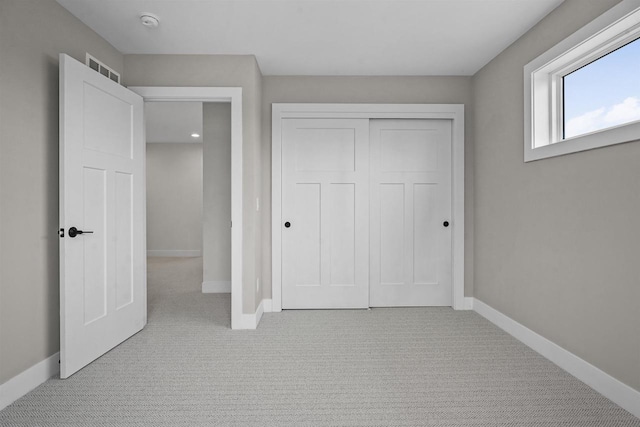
column 250, row 321
column 454, row 112
column 188, row 93
column 234, row 96
column 216, row 287
column 543, row 85
column 611, row 388
column 276, row 207
column 268, row 305
column 173, row 253
column 29, row 379
column 468, row 303
column 259, row 312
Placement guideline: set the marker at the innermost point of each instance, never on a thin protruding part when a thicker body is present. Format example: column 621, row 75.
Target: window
column 604, row 93
column 584, row 93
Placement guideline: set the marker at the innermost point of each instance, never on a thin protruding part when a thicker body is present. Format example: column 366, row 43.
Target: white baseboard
column 259, row 312
column 268, row 305
column 26, row 381
column 216, row 287
column 250, row 321
column 611, row 388
column 174, row 253
column 468, row 303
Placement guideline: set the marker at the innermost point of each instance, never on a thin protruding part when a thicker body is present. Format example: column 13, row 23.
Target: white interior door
column 325, row 221
column 102, row 191
column 410, row 213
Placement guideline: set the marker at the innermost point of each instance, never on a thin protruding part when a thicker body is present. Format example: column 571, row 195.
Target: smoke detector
column 149, row 20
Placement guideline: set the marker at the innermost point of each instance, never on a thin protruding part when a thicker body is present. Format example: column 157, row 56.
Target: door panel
column 425, row 228
column 124, row 246
column 325, row 251
column 410, row 200
column 409, row 150
column 103, row 274
column 306, row 238
column 95, row 250
column 109, row 119
column 326, row 150
column 391, row 232
column 342, row 199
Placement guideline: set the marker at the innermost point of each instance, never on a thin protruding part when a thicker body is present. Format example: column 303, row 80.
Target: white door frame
column 454, row 112
column 231, row 95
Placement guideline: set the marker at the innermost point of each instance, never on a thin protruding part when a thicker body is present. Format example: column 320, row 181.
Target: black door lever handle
column 73, row 232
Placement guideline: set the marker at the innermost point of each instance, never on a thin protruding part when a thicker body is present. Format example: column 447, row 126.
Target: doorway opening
column 216, row 101
column 174, row 173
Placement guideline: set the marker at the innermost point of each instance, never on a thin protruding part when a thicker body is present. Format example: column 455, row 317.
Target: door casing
column 453, row 112
column 232, row 95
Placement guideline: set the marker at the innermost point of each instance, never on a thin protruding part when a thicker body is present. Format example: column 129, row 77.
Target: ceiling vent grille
column 101, row 68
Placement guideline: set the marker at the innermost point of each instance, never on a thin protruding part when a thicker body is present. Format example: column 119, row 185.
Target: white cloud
column 588, row 122
column 624, row 112
column 628, row 111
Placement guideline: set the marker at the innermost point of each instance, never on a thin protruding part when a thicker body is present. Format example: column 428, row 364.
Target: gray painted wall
column 216, row 256
column 391, row 90
column 557, row 241
column 174, row 197
column 221, row 71
column 32, row 34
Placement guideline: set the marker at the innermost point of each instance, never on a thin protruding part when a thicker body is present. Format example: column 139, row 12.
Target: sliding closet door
column 325, row 213
column 410, row 213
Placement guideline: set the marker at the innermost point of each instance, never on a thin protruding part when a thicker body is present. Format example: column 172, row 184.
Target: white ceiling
column 322, row 37
column 173, row 121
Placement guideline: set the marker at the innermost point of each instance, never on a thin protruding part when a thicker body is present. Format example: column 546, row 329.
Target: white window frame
column 453, row 112
column 543, row 79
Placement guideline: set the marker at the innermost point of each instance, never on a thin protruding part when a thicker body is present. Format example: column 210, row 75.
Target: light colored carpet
column 383, row 367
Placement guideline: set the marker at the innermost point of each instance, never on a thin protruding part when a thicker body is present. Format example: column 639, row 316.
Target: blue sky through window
column 604, row 93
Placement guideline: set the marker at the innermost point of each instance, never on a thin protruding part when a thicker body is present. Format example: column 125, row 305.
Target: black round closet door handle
column 446, row 223
column 287, row 224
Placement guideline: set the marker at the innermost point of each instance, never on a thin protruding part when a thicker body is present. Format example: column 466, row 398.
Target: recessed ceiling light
column 149, row 20
column 195, row 135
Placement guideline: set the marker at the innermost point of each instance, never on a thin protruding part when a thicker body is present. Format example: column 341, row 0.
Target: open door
column 102, row 215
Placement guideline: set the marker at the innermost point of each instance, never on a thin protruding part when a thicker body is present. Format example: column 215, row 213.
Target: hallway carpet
column 380, row 367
